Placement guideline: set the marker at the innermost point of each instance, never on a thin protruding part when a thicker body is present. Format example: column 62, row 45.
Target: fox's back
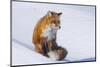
column 38, row 30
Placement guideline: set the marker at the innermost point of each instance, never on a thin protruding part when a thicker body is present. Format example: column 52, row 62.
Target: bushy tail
column 58, row 54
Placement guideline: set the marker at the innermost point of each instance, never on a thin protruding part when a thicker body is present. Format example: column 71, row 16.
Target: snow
column 77, row 33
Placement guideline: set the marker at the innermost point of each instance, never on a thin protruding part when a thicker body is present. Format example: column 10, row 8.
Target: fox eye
column 59, row 22
column 53, row 21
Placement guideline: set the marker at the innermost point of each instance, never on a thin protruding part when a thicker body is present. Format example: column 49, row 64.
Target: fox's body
column 44, row 36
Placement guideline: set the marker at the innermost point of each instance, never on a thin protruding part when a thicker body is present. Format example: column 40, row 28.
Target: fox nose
column 59, row 27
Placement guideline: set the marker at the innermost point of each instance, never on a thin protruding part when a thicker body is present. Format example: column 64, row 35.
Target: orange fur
column 36, row 39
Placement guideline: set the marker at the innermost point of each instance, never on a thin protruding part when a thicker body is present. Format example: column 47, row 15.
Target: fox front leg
column 44, row 44
column 52, row 45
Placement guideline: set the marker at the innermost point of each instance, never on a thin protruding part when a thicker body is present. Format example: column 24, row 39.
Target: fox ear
column 59, row 14
column 50, row 13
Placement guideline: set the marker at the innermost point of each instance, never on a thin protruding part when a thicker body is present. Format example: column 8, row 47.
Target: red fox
column 45, row 34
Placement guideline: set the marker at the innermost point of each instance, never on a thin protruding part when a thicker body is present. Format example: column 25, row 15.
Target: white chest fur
column 50, row 33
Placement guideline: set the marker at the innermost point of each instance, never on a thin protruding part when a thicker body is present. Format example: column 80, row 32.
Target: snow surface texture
column 77, row 33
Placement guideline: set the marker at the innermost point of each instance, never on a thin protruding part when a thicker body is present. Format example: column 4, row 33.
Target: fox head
column 54, row 19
